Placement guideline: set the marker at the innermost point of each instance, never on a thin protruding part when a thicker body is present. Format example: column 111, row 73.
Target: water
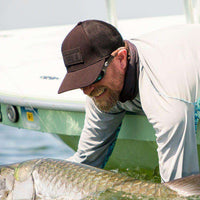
column 20, row 144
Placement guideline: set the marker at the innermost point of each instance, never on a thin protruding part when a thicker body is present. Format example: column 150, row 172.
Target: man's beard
column 108, row 101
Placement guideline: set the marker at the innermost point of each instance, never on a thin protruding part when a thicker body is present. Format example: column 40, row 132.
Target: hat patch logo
column 72, row 57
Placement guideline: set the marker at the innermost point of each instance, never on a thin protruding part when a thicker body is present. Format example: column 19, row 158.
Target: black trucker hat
column 85, row 50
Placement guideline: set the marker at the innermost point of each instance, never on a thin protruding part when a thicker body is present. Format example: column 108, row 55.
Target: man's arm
column 98, row 136
column 173, row 121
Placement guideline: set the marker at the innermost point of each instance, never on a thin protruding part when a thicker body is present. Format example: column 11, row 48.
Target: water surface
column 21, row 144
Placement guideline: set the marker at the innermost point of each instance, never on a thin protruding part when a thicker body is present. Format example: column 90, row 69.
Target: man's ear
column 122, row 56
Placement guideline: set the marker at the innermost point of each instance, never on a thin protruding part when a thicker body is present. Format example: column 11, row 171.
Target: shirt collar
column 130, row 88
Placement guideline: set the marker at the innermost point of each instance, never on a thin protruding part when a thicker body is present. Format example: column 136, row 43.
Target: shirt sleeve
column 98, row 136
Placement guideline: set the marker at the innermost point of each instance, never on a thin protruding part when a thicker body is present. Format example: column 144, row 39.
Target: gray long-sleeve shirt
column 169, row 80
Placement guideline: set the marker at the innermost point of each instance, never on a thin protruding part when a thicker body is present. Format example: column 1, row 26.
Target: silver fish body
column 51, row 179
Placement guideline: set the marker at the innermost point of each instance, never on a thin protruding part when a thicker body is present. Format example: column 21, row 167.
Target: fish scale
column 52, row 179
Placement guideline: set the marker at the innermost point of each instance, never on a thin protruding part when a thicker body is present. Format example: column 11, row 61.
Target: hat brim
column 81, row 78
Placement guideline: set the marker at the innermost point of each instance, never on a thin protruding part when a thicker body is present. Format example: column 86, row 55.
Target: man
column 158, row 73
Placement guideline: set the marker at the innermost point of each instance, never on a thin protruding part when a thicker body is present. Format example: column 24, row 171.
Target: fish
column 54, row 179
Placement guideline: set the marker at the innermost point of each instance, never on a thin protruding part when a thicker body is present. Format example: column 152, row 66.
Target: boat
column 32, row 70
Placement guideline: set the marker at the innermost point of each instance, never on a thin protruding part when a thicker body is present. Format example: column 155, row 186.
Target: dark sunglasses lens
column 101, row 75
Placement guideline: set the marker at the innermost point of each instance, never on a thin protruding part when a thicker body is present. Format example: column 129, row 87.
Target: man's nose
column 88, row 89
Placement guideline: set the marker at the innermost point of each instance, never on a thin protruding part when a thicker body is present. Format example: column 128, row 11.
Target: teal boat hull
column 135, row 147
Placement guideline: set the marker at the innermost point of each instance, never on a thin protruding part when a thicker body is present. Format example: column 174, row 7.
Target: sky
column 37, row 13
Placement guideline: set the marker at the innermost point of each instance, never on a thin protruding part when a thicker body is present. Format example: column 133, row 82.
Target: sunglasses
column 103, row 71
